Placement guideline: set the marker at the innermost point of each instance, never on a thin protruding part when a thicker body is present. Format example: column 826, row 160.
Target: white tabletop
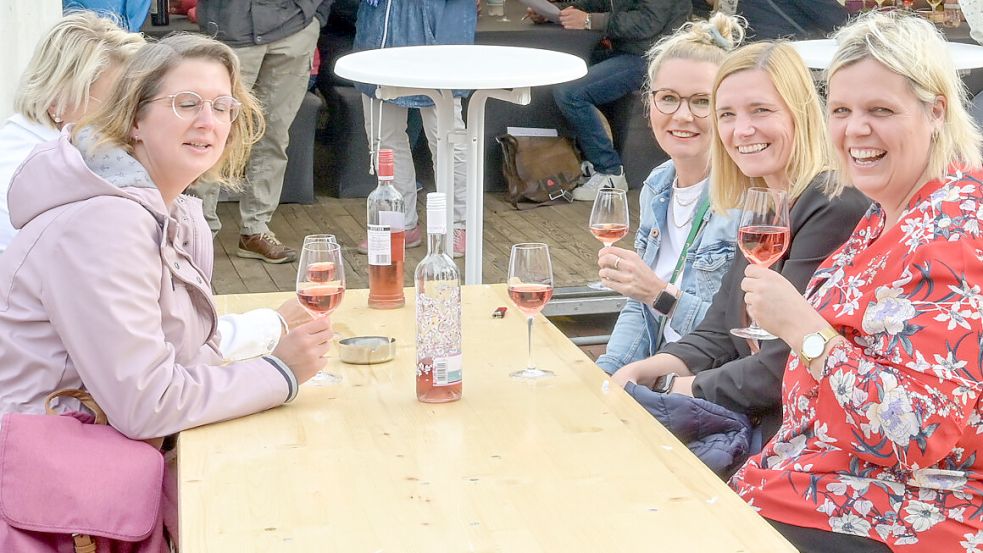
column 818, row 53
column 460, row 66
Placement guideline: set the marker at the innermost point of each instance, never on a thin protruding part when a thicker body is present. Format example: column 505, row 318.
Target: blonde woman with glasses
column 106, row 286
column 73, row 68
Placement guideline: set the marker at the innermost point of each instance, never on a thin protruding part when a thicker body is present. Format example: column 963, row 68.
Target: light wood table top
column 567, row 465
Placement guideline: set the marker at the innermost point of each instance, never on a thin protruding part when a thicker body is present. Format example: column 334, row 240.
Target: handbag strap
column 85, row 398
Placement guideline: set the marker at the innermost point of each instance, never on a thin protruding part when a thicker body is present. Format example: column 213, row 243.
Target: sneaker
column 265, row 247
column 588, row 191
column 460, row 242
column 414, row 237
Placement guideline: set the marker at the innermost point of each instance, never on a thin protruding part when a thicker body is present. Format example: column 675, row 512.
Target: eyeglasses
column 668, row 101
column 187, row 105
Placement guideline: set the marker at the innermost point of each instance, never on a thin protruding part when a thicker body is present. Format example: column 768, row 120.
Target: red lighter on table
column 499, row 313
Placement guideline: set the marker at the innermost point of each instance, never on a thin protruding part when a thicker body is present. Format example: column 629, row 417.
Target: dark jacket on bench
column 635, row 25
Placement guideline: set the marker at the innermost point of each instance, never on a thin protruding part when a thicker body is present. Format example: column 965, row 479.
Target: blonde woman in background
column 73, row 68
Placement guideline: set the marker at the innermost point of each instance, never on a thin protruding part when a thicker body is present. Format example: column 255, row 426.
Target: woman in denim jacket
column 674, row 200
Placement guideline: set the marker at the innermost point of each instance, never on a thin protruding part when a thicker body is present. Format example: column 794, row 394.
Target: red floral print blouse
column 887, row 444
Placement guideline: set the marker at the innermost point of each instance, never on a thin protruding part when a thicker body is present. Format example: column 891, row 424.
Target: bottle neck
column 436, row 243
column 385, row 181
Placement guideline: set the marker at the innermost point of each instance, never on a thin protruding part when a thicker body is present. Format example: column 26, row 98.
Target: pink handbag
column 69, row 486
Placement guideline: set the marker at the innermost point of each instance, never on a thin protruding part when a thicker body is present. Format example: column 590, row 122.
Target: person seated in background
column 73, row 69
column 617, row 69
column 879, row 445
column 768, row 131
column 776, row 19
column 388, row 24
column 134, row 323
column 683, row 247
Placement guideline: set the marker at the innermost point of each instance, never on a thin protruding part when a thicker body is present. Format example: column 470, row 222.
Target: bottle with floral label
column 385, row 213
column 438, row 313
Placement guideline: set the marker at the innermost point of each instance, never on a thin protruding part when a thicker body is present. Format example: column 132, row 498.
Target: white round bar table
column 501, row 72
column 818, row 53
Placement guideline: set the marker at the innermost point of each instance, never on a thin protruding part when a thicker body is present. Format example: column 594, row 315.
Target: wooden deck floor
column 563, row 227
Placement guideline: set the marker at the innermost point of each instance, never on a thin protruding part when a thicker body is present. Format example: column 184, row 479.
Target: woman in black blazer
column 769, row 131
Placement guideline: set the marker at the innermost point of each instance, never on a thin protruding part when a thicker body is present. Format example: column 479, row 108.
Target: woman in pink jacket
column 106, row 286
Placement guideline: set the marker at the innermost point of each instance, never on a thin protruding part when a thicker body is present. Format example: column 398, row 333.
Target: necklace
column 680, row 205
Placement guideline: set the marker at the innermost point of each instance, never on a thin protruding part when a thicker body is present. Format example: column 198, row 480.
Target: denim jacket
column 635, row 335
column 393, row 23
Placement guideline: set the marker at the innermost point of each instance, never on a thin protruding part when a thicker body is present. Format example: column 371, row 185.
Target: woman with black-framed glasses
column 682, row 248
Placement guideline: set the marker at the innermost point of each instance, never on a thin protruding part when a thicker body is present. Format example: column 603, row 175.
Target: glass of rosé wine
column 530, row 287
column 609, row 220
column 763, row 236
column 321, row 286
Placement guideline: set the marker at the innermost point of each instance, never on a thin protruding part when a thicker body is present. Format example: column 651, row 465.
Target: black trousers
column 810, row 540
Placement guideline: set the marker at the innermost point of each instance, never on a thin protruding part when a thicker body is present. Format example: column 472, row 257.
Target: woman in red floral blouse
column 882, row 422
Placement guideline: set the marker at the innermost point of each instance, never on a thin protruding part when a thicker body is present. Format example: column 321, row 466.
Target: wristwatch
column 587, row 23
column 664, row 383
column 813, row 345
column 665, row 302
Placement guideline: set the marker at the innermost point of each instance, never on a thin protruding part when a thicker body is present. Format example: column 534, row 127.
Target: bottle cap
column 436, row 213
column 385, row 170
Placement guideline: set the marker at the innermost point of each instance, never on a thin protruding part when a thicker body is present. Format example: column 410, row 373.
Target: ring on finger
column 617, row 261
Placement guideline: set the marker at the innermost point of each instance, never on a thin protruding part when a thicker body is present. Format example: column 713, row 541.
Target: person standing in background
column 274, row 41
column 389, row 24
column 617, row 69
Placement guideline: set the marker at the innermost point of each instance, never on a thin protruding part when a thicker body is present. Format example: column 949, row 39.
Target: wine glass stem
column 529, row 326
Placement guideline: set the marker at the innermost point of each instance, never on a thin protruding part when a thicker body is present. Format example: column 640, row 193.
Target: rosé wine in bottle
column 438, row 313
column 386, row 215
column 763, row 245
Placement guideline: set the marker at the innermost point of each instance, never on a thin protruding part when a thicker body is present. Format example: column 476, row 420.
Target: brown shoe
column 265, row 247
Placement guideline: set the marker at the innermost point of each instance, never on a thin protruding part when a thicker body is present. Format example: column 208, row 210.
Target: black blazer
column 726, row 372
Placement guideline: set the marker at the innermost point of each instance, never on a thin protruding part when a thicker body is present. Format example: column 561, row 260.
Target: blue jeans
column 604, row 82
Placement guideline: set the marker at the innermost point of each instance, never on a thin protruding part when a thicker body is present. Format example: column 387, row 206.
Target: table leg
column 475, row 160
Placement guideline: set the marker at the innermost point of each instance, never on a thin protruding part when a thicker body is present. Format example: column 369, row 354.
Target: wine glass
column 609, row 220
column 530, row 287
column 763, row 236
column 321, row 286
column 935, row 7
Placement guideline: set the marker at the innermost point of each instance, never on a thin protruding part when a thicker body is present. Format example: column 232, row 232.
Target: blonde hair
column 73, row 54
column 916, row 50
column 810, row 148
column 707, row 41
column 140, row 82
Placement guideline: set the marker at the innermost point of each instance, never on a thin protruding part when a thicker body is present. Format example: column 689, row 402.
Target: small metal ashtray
column 366, row 350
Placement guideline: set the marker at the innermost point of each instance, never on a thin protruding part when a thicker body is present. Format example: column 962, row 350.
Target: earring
column 55, row 117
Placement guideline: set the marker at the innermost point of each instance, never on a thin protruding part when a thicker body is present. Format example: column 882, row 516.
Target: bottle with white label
column 386, row 213
column 438, row 313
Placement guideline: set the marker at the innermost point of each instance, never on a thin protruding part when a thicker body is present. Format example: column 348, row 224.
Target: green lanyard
column 701, row 216
column 699, row 221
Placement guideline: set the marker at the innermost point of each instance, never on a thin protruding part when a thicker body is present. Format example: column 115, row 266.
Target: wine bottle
column 386, row 214
column 438, row 313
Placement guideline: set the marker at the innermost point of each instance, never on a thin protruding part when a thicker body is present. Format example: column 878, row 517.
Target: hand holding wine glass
column 530, row 287
column 763, row 236
column 321, row 285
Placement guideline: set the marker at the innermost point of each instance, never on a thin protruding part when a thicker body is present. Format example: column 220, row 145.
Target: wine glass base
column 324, row 379
column 532, row 374
column 598, row 285
column 752, row 333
